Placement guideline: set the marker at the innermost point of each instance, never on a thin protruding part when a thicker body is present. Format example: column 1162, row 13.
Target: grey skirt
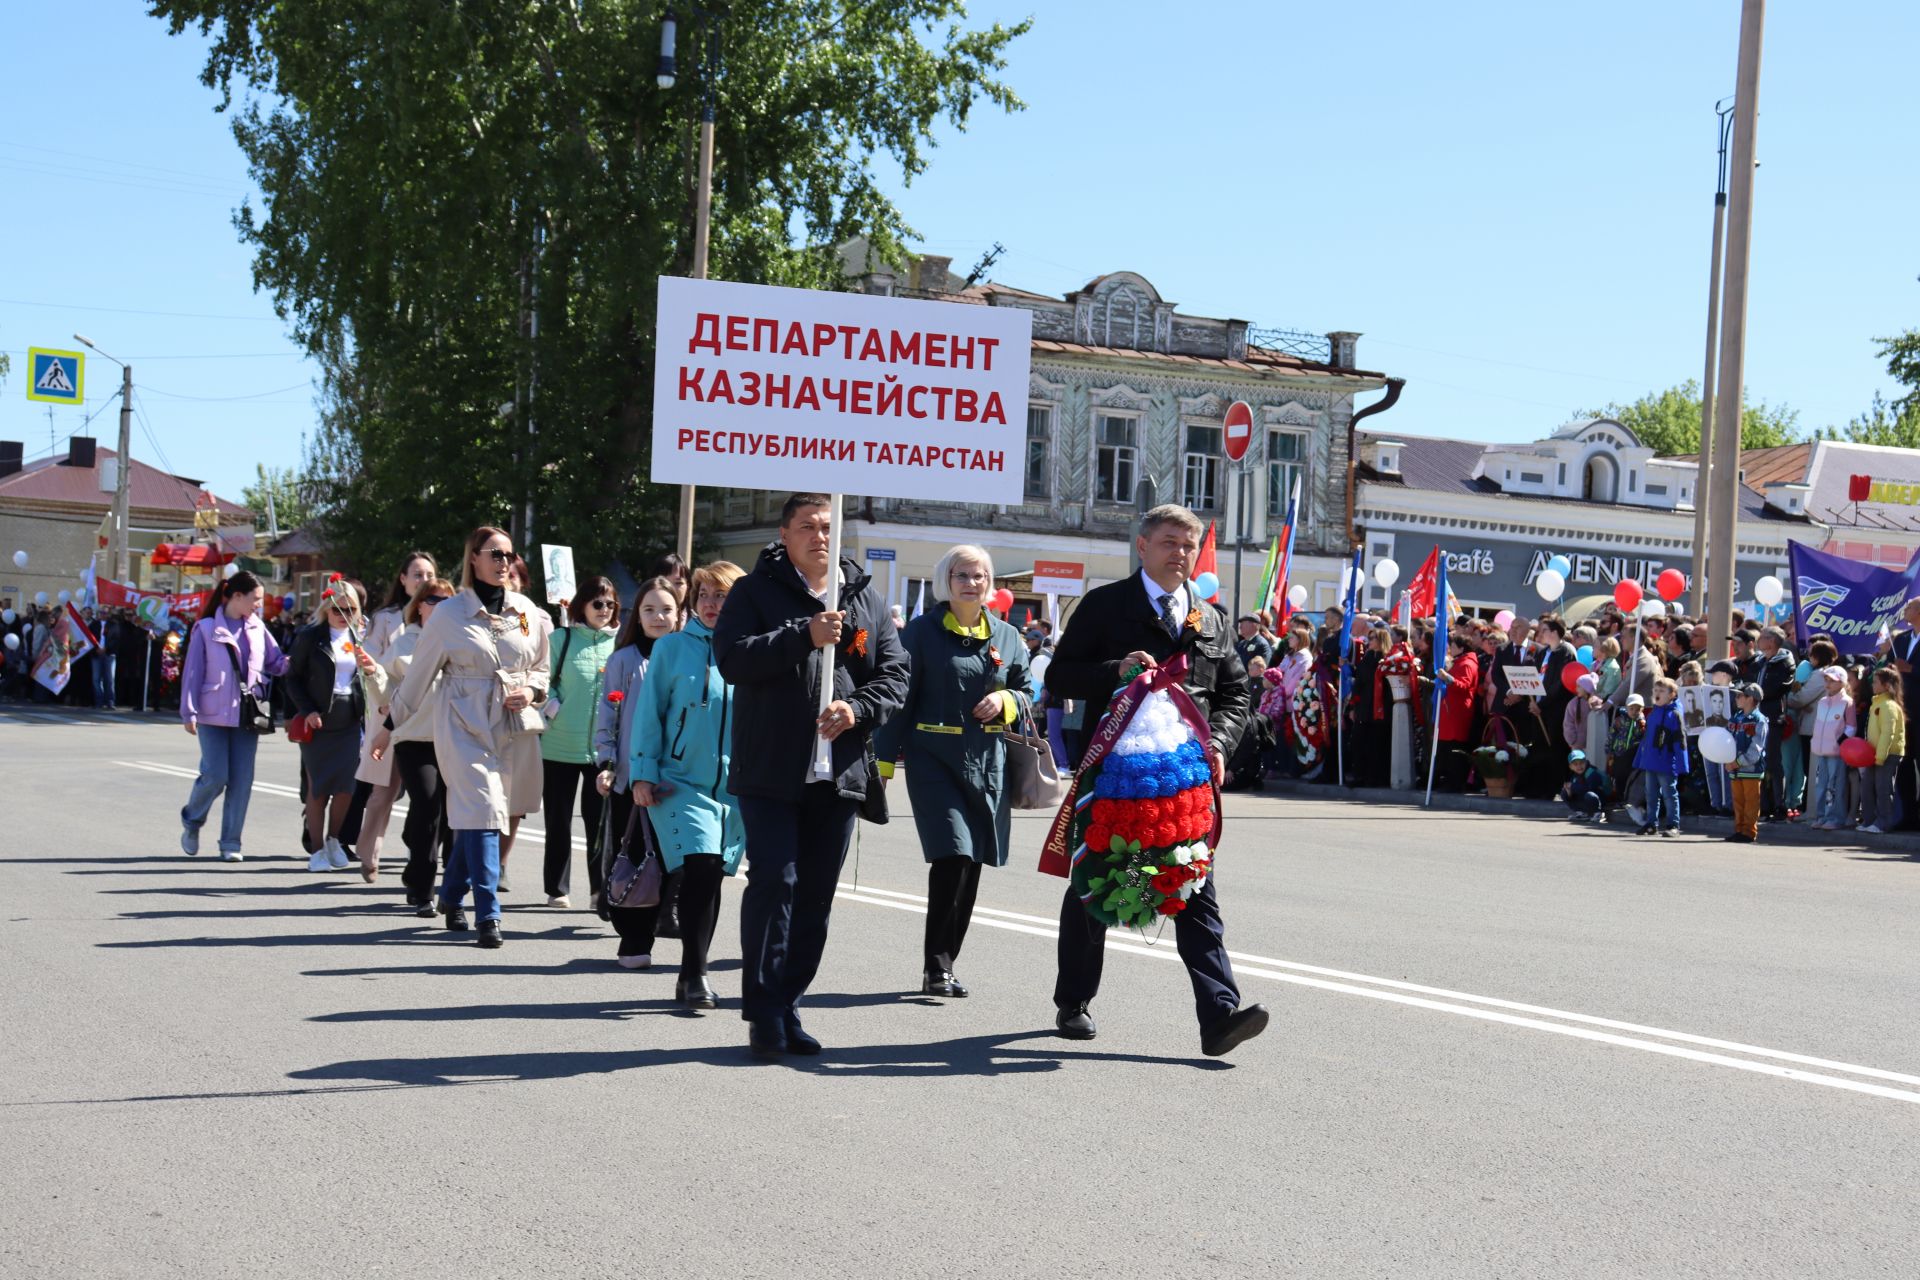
column 331, row 759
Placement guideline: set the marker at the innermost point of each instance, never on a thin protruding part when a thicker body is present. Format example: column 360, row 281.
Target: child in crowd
column 1607, row 674
column 1663, row 755
column 1586, row 789
column 1887, row 731
column 1832, row 725
column 1629, row 726
column 1749, row 730
column 1859, row 799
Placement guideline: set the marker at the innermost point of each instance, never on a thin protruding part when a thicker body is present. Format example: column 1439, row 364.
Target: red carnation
column 616, row 697
column 1172, row 907
column 1099, row 838
column 333, row 577
column 1166, row 882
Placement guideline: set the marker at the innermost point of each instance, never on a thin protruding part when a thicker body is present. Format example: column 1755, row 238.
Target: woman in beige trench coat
column 491, row 644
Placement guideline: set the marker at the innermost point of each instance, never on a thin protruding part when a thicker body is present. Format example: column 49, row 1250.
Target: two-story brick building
column 1126, row 392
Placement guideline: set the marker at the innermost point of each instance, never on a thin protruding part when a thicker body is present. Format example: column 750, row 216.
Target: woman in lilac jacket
column 229, row 650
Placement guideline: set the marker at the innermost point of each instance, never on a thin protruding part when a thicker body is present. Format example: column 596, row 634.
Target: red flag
column 1420, row 590
column 1209, row 562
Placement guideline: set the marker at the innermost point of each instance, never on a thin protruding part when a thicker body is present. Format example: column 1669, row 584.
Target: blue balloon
column 1585, row 654
column 1207, row 585
column 1803, row 672
column 1560, row 565
column 287, row 602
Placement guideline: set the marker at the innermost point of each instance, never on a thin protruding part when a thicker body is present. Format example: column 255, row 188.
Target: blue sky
column 1511, row 202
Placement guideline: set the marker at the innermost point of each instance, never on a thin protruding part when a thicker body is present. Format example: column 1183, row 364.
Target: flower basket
column 1501, row 788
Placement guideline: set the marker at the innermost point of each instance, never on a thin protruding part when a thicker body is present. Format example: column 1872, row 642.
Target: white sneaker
column 319, row 861
column 1872, row 829
column 231, row 855
column 1638, row 813
column 337, row 859
column 637, row 962
column 561, row 901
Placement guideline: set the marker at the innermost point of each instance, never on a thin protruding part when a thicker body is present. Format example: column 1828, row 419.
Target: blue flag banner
column 1352, row 606
column 1852, row 602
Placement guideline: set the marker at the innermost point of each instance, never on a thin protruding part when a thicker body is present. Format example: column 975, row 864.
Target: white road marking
column 1579, row 1026
column 1391, row 990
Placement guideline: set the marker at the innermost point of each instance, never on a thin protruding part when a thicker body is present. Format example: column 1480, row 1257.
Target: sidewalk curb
column 1777, row 833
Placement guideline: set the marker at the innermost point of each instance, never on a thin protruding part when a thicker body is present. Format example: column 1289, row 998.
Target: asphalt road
column 1500, row 1047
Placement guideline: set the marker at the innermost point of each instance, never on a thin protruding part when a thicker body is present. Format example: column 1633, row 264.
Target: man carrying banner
column 1141, row 622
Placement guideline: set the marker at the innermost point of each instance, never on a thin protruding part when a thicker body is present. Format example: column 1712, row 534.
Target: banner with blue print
column 1852, row 602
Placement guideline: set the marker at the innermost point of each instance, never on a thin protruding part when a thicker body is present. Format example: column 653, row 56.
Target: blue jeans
column 475, row 861
column 1719, row 788
column 226, row 764
column 103, row 665
column 1663, row 792
column 1829, row 799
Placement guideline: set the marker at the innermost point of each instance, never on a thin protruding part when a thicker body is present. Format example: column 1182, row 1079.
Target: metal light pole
column 1701, row 478
column 1724, row 518
column 703, row 195
column 122, row 468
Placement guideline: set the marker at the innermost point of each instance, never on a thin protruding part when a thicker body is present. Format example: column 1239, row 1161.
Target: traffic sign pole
column 1236, row 436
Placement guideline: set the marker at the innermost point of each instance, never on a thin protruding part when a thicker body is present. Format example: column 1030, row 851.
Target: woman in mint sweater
column 578, row 663
column 682, row 747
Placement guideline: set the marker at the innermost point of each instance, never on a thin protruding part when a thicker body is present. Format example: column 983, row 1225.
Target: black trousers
column 639, row 927
column 1198, row 933
column 952, row 884
column 428, row 839
column 562, row 783
column 795, row 850
column 1454, row 764
column 1773, row 790
column 1906, row 783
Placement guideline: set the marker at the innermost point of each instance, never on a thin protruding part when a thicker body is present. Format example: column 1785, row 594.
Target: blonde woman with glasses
column 488, row 644
column 329, row 704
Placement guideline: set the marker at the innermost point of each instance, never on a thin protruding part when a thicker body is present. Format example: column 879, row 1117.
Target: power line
column 146, row 427
column 257, row 395
column 130, row 311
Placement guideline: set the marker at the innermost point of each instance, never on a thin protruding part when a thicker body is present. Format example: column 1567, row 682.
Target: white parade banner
column 758, row 387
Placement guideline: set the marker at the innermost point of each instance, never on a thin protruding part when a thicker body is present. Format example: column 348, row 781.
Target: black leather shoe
column 425, row 910
column 456, row 918
column 766, row 1039
column 939, row 984
column 798, row 1041
column 1076, row 1023
column 696, row 993
column 1239, row 1026
column 490, row 934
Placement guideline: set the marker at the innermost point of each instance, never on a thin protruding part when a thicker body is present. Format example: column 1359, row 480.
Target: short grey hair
column 1169, row 513
column 965, row 553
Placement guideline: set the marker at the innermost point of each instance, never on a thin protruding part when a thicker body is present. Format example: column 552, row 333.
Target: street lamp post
column 1701, row 487
column 666, row 77
column 122, row 466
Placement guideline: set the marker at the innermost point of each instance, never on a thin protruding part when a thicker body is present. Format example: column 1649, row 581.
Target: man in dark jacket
column 1551, row 633
column 1142, row 621
column 800, row 774
column 1773, row 672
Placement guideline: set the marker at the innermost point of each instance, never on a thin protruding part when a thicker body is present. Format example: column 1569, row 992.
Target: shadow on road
column 425, row 932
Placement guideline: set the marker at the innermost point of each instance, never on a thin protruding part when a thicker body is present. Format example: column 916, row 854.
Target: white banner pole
column 823, row 750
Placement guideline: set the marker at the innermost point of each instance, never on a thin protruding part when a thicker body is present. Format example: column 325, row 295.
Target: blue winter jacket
column 682, row 743
column 1673, row 757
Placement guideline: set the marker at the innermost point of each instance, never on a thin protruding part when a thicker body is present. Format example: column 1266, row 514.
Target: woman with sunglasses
column 378, row 786
column 489, row 646
column 409, row 750
column 574, row 685
column 656, row 614
column 323, row 683
column 682, row 745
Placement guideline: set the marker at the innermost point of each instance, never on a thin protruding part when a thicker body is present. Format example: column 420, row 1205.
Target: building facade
column 1125, row 405
column 1590, row 491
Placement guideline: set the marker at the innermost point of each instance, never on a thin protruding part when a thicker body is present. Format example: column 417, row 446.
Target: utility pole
column 1723, row 520
column 1701, row 479
column 703, row 195
column 122, row 478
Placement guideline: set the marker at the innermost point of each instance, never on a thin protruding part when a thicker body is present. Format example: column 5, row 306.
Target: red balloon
column 1628, row 595
column 1857, row 753
column 1570, row 675
column 1671, row 584
column 1000, row 601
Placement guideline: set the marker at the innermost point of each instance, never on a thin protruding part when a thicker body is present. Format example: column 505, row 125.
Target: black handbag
column 873, row 805
column 255, row 716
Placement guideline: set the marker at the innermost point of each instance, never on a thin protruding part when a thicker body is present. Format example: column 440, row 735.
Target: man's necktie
column 1167, row 618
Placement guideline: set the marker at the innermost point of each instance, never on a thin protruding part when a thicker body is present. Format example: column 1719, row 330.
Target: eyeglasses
column 498, row 556
column 603, row 604
column 957, row 576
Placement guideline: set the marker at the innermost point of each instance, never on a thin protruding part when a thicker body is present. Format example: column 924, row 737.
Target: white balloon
column 1653, row 607
column 1352, row 581
column 1386, row 573
column 1297, row 596
column 13, row 641
column 230, row 570
column 1768, row 591
column 7, row 616
column 40, row 598
column 66, row 597
column 1717, row 745
column 1550, row 585
column 19, row 559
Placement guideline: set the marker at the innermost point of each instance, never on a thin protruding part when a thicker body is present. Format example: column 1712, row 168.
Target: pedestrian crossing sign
column 57, row 377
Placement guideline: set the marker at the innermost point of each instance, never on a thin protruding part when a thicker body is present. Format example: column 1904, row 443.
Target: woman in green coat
column 969, row 678
column 578, row 657
column 682, row 748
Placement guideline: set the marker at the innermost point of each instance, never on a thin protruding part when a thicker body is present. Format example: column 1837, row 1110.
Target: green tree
column 1902, row 354
column 441, row 180
column 1668, row 422
column 1882, row 423
column 282, row 486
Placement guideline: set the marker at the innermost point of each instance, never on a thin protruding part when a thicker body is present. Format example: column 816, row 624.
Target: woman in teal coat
column 969, row 675
column 682, row 745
